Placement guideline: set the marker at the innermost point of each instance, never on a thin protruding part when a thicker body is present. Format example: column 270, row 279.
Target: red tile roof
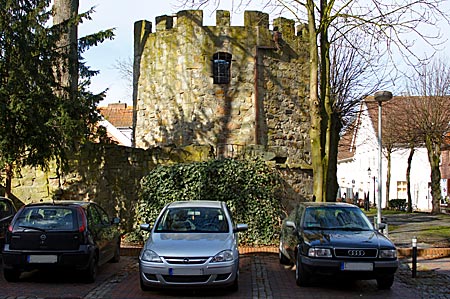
column 118, row 114
column 396, row 114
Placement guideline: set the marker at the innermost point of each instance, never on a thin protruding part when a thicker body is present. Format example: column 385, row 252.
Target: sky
column 122, row 15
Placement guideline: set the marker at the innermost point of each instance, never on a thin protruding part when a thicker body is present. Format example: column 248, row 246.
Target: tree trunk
column 321, row 105
column 408, row 178
column 8, row 180
column 65, row 13
column 332, row 183
column 434, row 155
column 315, row 110
column 327, row 109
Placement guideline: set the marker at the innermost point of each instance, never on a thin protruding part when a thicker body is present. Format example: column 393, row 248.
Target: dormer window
column 221, row 68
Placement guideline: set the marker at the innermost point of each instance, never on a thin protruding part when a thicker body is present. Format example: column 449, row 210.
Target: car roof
column 60, row 203
column 328, row 204
column 196, row 204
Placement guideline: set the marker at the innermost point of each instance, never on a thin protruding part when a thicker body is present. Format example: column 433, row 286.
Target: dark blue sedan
column 336, row 239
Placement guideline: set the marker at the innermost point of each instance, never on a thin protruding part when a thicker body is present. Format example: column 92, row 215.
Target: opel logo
column 43, row 237
column 186, row 260
column 356, row 253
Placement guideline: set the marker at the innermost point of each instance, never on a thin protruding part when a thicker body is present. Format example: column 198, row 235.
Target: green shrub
column 398, row 204
column 248, row 187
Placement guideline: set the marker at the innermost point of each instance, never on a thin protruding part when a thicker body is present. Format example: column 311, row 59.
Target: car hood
column 192, row 244
column 338, row 238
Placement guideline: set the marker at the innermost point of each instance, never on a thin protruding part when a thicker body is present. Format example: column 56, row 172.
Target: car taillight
column 81, row 220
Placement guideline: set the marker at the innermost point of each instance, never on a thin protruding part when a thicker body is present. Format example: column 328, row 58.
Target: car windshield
column 46, row 218
column 193, row 219
column 336, row 218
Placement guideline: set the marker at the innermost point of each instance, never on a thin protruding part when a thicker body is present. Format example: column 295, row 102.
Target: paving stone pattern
column 261, row 276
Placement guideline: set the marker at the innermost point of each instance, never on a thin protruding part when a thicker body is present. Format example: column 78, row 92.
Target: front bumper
column 166, row 275
column 322, row 266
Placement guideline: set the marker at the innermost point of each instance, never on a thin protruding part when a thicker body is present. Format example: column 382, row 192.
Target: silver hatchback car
column 193, row 244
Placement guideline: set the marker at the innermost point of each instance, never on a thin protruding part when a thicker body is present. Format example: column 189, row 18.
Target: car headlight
column 223, row 256
column 319, row 252
column 388, row 254
column 150, row 256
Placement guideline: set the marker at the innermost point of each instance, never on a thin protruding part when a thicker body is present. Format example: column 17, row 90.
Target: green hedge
column 248, row 187
column 398, row 204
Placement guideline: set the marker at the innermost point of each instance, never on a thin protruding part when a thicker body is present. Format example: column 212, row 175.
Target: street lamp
column 380, row 97
column 367, row 200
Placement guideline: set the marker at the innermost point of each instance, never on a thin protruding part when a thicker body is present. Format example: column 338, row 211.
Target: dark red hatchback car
column 61, row 234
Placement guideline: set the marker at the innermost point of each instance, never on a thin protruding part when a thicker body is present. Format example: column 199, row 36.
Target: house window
column 401, row 189
column 221, row 67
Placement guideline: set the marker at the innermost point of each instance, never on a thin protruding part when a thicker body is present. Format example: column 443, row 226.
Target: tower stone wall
column 265, row 102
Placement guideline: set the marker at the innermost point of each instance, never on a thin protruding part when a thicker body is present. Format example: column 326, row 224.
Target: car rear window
column 198, row 219
column 47, row 218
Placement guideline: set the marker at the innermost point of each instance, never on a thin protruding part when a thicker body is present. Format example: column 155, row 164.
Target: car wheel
column 301, row 277
column 144, row 287
column 235, row 286
column 385, row 283
column 90, row 274
column 11, row 275
column 116, row 257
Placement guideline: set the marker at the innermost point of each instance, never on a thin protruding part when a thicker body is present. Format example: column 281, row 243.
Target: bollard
column 414, row 257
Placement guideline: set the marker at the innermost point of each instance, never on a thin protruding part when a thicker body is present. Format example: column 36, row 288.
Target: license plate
column 183, row 271
column 42, row 259
column 357, row 266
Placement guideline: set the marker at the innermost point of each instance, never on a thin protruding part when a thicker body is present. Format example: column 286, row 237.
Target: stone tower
column 222, row 85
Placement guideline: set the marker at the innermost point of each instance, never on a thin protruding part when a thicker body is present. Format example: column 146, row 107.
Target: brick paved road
column 261, row 277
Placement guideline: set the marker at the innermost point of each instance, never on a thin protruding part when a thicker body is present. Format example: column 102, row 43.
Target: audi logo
column 356, row 253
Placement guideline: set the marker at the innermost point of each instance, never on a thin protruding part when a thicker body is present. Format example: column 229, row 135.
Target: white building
column 118, row 122
column 358, row 152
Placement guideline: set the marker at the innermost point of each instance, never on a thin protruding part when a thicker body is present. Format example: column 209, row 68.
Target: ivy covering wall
column 249, row 188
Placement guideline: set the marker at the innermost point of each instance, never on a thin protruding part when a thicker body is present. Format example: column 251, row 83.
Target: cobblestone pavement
column 262, row 276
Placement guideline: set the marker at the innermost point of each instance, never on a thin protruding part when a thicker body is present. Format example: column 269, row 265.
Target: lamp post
column 374, row 184
column 380, row 97
column 367, row 203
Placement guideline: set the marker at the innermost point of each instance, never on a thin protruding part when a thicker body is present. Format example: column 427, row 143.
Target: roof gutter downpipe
column 256, row 93
column 256, row 80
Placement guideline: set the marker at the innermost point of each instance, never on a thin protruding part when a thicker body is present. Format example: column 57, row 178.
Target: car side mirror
column 291, row 224
column 240, row 227
column 145, row 226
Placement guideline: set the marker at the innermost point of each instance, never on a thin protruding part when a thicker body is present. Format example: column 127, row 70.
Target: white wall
column 353, row 173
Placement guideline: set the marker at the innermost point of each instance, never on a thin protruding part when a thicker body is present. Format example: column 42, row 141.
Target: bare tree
column 384, row 21
column 125, row 68
column 430, row 114
column 352, row 79
column 395, row 126
column 408, row 136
